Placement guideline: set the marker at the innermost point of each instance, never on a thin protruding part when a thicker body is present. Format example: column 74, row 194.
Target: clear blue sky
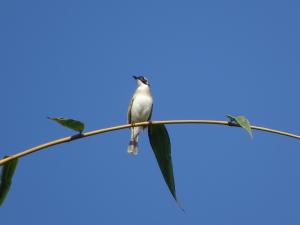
column 204, row 60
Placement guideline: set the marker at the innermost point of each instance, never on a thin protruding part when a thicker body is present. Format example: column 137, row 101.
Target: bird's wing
column 149, row 118
column 129, row 109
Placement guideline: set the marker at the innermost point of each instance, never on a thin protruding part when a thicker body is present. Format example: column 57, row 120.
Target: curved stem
column 109, row 129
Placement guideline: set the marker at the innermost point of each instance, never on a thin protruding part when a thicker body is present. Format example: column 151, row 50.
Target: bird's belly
column 141, row 109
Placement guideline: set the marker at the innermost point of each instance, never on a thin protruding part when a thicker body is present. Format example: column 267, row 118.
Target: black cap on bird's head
column 142, row 79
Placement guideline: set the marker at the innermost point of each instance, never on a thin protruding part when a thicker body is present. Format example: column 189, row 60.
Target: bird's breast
column 141, row 108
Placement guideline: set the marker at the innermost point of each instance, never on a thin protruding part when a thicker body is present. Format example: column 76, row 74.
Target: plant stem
column 109, row 129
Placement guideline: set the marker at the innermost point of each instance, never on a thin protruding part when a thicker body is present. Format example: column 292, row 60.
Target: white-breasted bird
column 139, row 110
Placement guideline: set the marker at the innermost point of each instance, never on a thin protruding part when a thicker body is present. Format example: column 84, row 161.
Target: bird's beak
column 135, row 77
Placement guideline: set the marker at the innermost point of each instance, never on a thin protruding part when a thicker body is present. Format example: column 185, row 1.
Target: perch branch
column 109, row 129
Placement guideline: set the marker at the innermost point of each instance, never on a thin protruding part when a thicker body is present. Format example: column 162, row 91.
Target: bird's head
column 141, row 80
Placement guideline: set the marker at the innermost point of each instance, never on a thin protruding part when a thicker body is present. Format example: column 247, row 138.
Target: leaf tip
column 179, row 205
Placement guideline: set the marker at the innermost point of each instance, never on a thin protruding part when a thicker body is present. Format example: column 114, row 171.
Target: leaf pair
column 161, row 146
column 159, row 140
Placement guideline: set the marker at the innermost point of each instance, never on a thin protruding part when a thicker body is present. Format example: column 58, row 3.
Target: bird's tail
column 133, row 143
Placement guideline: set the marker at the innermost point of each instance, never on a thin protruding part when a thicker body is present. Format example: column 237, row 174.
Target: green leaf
column 69, row 123
column 161, row 146
column 242, row 122
column 7, row 174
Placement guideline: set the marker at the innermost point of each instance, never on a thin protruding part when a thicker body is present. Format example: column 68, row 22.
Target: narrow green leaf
column 7, row 173
column 161, row 146
column 242, row 122
column 69, row 123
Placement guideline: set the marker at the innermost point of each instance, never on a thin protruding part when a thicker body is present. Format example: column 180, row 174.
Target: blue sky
column 203, row 59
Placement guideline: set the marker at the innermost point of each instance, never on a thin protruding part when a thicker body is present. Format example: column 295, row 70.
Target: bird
column 139, row 110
